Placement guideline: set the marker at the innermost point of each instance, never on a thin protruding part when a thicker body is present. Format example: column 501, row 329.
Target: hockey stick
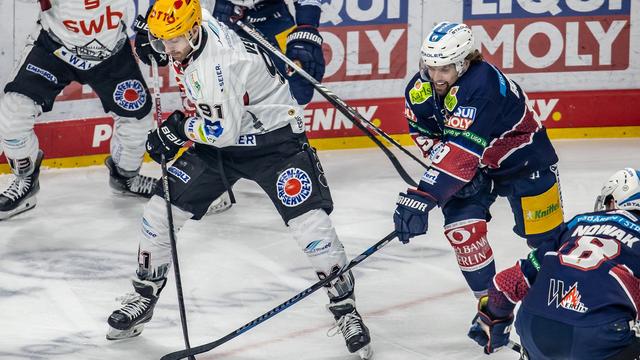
column 352, row 114
column 167, row 199
column 514, row 346
column 276, row 310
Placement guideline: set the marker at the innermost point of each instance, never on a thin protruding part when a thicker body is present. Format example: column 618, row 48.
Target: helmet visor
column 157, row 45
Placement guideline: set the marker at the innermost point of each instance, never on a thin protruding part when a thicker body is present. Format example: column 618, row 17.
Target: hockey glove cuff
column 304, row 45
column 412, row 214
column 228, row 13
column 168, row 138
column 488, row 331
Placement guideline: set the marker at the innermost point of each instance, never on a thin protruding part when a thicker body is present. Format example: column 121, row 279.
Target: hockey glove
column 412, row 214
column 304, row 45
column 424, row 143
column 228, row 13
column 168, row 138
column 489, row 332
column 142, row 45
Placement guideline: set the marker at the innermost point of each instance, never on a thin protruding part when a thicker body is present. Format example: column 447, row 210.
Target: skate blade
column 366, row 353
column 115, row 334
column 27, row 204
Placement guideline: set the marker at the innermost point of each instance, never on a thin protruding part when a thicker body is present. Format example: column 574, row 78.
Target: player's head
column 445, row 54
column 174, row 27
column 621, row 191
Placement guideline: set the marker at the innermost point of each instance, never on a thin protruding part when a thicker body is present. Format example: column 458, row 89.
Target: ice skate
column 350, row 324
column 20, row 196
column 136, row 310
column 221, row 204
column 129, row 182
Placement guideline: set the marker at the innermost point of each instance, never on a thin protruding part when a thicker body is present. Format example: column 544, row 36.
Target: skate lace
column 18, row 188
column 141, row 184
column 349, row 325
column 134, row 304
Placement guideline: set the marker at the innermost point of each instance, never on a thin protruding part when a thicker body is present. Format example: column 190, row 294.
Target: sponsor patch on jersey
column 72, row 59
column 451, row 100
column 246, row 140
column 457, row 122
column 293, row 187
column 42, row 72
column 430, row 176
column 542, row 212
column 193, row 85
column 179, row 174
column 317, row 247
column 130, row 95
column 569, row 299
column 220, row 77
column 212, row 130
column 420, row 92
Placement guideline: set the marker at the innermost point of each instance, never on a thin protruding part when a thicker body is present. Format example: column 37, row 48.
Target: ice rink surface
column 63, row 263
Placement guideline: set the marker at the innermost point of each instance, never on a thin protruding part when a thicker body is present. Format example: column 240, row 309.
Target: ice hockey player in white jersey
column 83, row 41
column 248, row 126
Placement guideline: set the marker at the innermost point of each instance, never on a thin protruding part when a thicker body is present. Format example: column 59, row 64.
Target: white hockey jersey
column 236, row 88
column 92, row 29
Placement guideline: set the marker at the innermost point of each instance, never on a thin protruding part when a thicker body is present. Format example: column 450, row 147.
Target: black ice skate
column 20, row 196
column 129, row 182
column 350, row 324
column 136, row 310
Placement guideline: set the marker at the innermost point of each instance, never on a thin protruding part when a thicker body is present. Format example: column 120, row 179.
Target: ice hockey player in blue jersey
column 483, row 140
column 580, row 292
column 299, row 39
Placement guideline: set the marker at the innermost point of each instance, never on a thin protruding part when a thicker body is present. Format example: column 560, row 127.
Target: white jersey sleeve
column 237, row 90
column 94, row 28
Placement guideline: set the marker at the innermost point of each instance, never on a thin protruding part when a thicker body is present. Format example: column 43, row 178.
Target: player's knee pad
column 127, row 142
column 317, row 237
column 469, row 241
column 17, row 118
column 154, row 251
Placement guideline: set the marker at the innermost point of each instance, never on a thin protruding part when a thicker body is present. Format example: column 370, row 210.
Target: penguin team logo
column 130, row 95
column 294, row 187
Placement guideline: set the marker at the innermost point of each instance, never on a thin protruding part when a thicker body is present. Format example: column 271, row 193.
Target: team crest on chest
column 294, row 187
column 130, row 95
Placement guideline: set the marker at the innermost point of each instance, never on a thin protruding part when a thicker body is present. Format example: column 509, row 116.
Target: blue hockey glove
column 142, row 45
column 228, row 13
column 304, row 45
column 489, row 332
column 412, row 214
column 168, row 138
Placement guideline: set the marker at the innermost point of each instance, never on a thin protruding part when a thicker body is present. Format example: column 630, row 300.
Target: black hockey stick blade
column 181, row 354
column 350, row 113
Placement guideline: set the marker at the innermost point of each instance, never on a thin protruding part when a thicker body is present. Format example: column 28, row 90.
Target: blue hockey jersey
column 592, row 277
column 483, row 121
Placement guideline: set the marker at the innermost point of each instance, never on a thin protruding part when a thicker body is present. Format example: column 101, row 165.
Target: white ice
column 63, row 263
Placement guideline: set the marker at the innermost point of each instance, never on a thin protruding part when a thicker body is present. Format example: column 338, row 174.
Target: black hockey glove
column 304, row 44
column 411, row 217
column 168, row 138
column 142, row 45
column 228, row 13
column 488, row 331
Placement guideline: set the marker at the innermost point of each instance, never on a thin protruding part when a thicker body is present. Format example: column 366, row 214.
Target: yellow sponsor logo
column 420, row 93
column 542, row 212
column 451, row 100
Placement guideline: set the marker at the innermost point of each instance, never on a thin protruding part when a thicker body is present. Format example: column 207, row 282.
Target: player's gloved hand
column 168, row 138
column 489, row 332
column 424, row 143
column 142, row 45
column 228, row 13
column 412, row 214
column 304, row 44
